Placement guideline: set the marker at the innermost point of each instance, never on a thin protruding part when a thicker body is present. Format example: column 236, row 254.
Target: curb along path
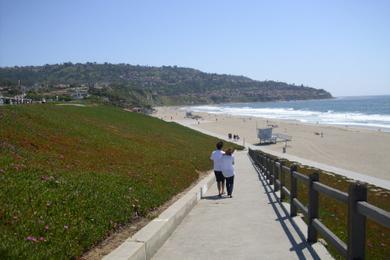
column 251, row 225
column 143, row 244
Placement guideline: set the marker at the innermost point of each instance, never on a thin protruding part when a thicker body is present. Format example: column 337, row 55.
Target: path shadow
column 269, row 144
column 298, row 244
column 263, row 144
column 214, row 197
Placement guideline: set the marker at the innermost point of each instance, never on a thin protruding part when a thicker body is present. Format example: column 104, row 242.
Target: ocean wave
column 305, row 116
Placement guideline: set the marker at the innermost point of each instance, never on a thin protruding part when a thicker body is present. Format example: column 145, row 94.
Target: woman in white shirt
column 228, row 170
column 216, row 157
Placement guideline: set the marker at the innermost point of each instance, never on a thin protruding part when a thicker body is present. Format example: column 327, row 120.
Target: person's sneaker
column 220, row 195
column 230, row 196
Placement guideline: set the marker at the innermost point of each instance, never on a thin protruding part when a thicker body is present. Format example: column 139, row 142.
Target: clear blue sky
column 341, row 46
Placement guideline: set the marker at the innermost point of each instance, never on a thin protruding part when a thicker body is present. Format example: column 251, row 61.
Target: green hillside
column 129, row 85
column 71, row 174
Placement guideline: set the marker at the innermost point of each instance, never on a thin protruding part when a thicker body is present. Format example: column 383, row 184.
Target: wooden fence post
column 356, row 222
column 313, row 208
column 263, row 165
column 282, row 182
column 272, row 171
column 293, row 191
column 276, row 175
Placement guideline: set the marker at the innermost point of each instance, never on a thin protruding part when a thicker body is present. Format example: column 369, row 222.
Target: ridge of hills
column 135, row 85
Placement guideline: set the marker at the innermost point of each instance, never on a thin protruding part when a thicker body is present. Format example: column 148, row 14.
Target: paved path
column 251, row 225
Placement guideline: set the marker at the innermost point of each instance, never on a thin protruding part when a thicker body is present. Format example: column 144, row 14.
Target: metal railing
column 356, row 199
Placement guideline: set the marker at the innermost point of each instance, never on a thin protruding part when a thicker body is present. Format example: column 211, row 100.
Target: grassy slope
column 334, row 214
column 69, row 175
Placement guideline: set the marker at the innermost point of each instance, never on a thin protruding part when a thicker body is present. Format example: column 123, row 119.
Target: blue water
column 367, row 111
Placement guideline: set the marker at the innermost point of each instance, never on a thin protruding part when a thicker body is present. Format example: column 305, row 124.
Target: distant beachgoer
column 228, row 170
column 216, row 157
column 230, row 135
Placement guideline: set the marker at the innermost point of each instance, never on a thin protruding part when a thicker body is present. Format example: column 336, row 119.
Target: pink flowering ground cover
column 70, row 175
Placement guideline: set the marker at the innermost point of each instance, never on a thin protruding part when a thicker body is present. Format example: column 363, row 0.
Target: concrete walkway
column 251, row 225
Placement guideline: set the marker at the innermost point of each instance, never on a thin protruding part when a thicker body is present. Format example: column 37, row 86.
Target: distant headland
column 146, row 86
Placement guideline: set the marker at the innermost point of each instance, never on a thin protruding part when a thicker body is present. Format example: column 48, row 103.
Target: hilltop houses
column 79, row 93
column 19, row 99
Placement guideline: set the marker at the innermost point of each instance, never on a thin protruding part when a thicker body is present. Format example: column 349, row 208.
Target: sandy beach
column 360, row 150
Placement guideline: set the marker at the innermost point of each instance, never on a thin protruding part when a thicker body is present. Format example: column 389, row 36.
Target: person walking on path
column 228, row 170
column 216, row 157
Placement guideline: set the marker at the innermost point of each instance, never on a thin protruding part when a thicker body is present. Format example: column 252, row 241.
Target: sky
column 339, row 45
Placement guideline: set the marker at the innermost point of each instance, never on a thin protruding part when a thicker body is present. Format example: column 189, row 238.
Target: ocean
column 362, row 111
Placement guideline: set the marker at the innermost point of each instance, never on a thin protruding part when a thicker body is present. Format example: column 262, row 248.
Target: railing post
column 272, row 171
column 282, row 182
column 263, row 165
column 267, row 169
column 356, row 222
column 259, row 161
column 313, row 208
column 276, row 175
column 293, row 191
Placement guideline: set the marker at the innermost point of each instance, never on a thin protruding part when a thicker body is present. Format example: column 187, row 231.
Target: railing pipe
column 301, row 207
column 377, row 214
column 340, row 246
column 286, row 191
column 301, row 177
column 331, row 192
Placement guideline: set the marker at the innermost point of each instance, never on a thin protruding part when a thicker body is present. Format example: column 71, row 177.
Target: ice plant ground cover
column 334, row 213
column 69, row 175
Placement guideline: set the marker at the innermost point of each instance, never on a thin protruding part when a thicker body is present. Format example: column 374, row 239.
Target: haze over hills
column 135, row 85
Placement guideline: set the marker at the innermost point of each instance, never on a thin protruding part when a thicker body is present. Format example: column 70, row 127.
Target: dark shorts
column 219, row 176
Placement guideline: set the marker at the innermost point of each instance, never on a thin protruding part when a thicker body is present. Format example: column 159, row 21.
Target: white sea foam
column 305, row 116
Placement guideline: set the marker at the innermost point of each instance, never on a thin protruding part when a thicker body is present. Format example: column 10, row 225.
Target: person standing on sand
column 216, row 157
column 228, row 170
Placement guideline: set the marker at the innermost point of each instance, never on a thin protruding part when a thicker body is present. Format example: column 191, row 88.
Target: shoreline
column 230, row 109
column 352, row 149
column 293, row 121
